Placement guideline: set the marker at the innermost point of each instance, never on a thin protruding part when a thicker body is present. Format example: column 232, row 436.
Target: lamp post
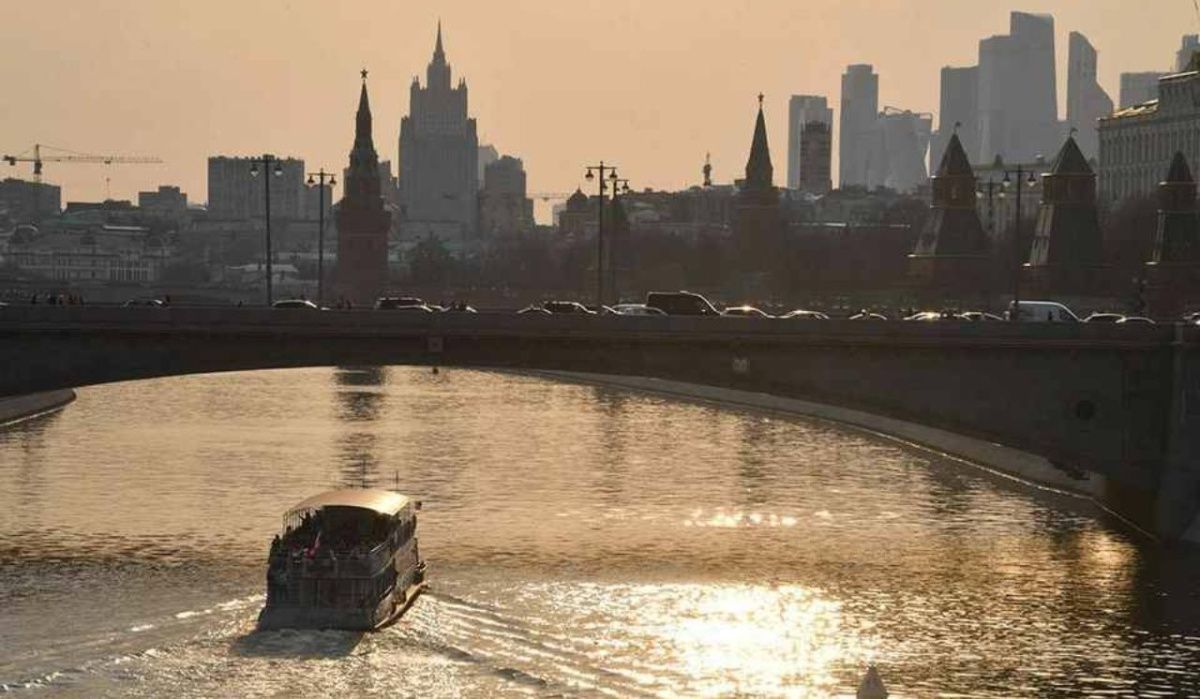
column 321, row 176
column 592, row 172
column 620, row 186
column 1020, row 176
column 277, row 171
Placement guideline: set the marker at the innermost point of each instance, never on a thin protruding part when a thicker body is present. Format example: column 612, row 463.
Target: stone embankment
column 20, row 408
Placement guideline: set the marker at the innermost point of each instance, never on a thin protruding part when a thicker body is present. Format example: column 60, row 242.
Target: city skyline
column 656, row 103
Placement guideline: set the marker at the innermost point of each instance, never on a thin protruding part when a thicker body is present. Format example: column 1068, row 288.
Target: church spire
column 438, row 52
column 759, row 173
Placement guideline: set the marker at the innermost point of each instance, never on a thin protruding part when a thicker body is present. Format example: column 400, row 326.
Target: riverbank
column 1021, row 467
column 19, row 408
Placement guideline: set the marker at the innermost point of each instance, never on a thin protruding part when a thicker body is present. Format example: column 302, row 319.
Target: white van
column 1044, row 312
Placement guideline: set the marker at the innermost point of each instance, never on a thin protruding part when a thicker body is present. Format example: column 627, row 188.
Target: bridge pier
column 1177, row 505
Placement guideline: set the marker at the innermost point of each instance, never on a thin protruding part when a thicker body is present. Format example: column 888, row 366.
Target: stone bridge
column 1119, row 400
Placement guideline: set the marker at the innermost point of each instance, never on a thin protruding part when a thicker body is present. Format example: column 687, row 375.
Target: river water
column 581, row 541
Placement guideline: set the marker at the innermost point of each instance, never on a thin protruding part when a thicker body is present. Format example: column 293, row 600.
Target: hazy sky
column 649, row 84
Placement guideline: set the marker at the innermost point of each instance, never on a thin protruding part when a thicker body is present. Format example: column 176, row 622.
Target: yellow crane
column 62, row 155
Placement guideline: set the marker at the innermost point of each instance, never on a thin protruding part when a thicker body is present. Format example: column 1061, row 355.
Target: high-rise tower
column 810, row 126
column 860, row 109
column 439, row 157
column 362, row 262
column 1086, row 100
column 1018, row 99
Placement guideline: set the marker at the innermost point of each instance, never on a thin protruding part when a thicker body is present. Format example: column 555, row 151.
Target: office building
column 235, row 192
column 1137, row 88
column 1018, row 99
column 1086, row 100
column 959, row 112
column 803, row 111
column 860, row 109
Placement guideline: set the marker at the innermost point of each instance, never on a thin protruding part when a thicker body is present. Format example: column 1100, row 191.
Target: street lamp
column 321, row 175
column 266, row 161
column 1006, row 184
column 619, row 186
column 592, row 172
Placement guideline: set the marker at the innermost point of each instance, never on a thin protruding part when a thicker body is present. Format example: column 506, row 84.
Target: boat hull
column 387, row 611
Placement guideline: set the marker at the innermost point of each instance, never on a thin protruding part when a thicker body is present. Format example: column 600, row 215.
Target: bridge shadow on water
column 297, row 644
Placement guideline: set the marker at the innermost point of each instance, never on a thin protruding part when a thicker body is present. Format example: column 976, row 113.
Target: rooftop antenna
column 1196, row 7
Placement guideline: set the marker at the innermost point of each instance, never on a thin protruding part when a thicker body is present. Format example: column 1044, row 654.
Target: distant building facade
column 503, row 207
column 1137, row 88
column 167, row 202
column 235, row 193
column 1138, row 143
column 83, row 255
column 1087, row 102
column 439, row 155
column 959, row 112
column 898, row 149
column 1188, row 46
column 1018, row 97
column 487, row 155
column 809, row 161
column 860, row 107
column 29, row 202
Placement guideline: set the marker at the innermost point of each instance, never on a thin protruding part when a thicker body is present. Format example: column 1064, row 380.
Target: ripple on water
column 581, row 540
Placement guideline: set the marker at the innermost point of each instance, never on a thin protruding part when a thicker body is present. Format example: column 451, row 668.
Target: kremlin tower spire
column 362, row 222
column 759, row 173
column 758, row 224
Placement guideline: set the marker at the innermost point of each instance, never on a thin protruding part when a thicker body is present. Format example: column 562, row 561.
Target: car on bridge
column 868, row 315
column 296, row 303
column 1104, row 318
column 151, row 302
column 400, row 303
column 1135, row 320
column 978, row 316
column 1043, row 312
column 637, row 309
column 534, row 310
column 745, row 312
column 802, row 314
column 680, row 303
column 568, row 307
column 932, row 316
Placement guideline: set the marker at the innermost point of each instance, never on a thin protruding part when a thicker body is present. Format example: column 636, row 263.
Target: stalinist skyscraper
column 439, row 153
column 362, row 261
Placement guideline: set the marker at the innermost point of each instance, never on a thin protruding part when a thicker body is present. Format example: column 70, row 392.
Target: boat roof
column 385, row 502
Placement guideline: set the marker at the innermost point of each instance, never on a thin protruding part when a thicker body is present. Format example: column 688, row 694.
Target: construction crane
column 67, row 156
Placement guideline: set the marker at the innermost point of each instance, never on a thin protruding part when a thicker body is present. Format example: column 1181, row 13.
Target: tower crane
column 67, row 156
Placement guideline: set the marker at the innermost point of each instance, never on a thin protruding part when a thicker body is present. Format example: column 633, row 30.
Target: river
column 581, row 541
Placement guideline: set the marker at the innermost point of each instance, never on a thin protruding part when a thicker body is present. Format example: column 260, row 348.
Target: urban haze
column 600, row 349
